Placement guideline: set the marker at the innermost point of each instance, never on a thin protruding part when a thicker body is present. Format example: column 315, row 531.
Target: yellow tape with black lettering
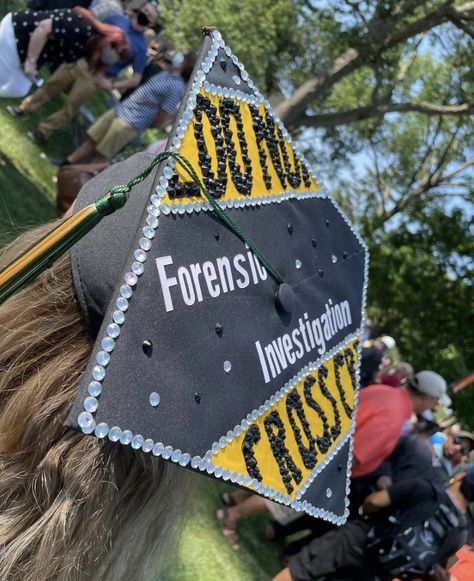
column 248, row 153
column 283, row 446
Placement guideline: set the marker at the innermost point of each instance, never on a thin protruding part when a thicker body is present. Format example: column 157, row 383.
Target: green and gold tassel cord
column 28, row 266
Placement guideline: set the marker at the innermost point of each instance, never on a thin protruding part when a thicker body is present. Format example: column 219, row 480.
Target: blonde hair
column 71, row 507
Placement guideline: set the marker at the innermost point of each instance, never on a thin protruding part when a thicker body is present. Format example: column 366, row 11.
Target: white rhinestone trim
column 86, row 419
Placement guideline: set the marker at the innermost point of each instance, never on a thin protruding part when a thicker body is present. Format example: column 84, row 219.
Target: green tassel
column 25, row 269
column 42, row 255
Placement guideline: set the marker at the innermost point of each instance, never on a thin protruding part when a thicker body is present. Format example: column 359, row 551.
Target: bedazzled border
column 86, row 419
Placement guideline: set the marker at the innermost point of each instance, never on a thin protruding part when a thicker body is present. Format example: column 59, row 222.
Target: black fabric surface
column 70, row 34
column 98, row 258
column 225, row 73
column 412, row 458
column 336, row 556
column 333, row 479
column 188, row 355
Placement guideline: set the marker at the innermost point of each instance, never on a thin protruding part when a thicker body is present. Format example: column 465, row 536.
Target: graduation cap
column 227, row 327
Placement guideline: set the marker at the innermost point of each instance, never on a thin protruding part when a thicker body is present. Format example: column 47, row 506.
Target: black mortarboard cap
column 202, row 357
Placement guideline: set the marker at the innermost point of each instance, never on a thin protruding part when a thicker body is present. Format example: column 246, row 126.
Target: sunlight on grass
column 25, row 155
column 204, row 554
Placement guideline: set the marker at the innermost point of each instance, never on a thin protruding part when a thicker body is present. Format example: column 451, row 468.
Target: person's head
column 146, row 16
column 425, row 427
column 370, row 364
column 179, row 62
column 73, row 507
column 187, row 65
column 397, row 375
column 466, row 440
column 451, row 445
column 426, row 388
column 107, row 45
column 454, row 449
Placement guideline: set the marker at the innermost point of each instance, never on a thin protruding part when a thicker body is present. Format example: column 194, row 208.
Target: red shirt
column 381, row 413
column 463, row 570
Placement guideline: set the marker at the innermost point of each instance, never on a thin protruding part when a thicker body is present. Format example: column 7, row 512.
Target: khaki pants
column 73, row 77
column 111, row 134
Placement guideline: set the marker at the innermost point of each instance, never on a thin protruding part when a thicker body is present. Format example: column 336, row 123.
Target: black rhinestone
column 217, row 236
column 197, row 397
column 223, row 63
column 314, row 242
column 327, row 222
column 147, row 347
column 344, row 255
column 219, row 329
column 290, row 228
column 321, row 273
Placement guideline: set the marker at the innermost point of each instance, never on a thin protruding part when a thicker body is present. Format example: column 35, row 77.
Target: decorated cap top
column 202, row 357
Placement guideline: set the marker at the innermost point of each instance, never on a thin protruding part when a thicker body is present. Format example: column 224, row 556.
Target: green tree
column 263, row 33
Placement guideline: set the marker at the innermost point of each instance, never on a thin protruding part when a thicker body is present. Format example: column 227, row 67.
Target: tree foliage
column 261, row 32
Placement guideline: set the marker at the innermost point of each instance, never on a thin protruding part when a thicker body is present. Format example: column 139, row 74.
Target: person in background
column 83, row 82
column 151, row 105
column 419, row 526
column 56, row 4
column 100, row 8
column 381, row 413
column 452, row 452
column 29, row 40
column 413, row 457
column 160, row 53
column 466, row 440
column 371, row 359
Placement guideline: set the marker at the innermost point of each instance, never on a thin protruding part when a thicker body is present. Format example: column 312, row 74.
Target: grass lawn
column 27, row 194
column 204, row 553
column 26, row 181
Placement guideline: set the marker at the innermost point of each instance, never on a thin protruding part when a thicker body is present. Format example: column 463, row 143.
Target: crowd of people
column 412, row 488
column 103, row 45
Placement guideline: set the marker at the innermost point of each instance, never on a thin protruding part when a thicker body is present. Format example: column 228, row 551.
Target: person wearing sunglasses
column 451, row 451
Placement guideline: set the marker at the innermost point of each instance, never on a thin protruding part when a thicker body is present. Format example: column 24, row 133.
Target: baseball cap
column 388, row 341
column 430, row 383
column 174, row 57
column 467, row 436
